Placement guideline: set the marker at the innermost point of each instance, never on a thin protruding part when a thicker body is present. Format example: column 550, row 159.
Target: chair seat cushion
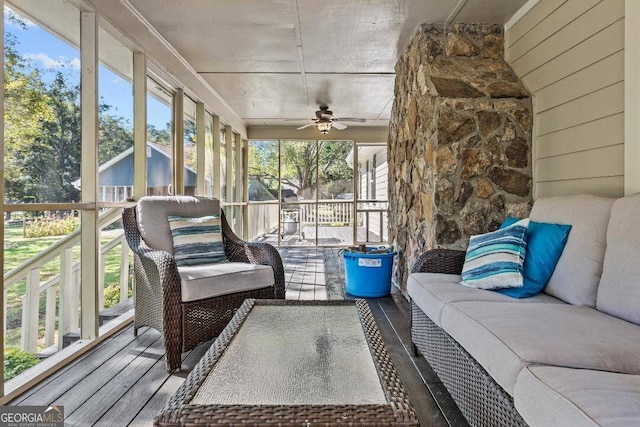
column 506, row 337
column 432, row 291
column 211, row 280
column 553, row 396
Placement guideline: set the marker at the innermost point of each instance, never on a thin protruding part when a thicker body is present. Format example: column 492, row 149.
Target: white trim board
column 520, row 13
column 632, row 97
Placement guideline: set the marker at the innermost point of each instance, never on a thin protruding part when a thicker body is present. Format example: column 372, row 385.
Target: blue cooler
column 368, row 275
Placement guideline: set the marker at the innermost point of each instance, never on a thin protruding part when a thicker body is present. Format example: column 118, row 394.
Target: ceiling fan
column 324, row 121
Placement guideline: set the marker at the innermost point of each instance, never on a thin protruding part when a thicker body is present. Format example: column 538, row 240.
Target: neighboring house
column 115, row 182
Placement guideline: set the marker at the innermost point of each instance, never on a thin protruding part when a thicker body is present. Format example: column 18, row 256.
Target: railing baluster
column 124, row 271
column 50, row 317
column 101, row 262
column 31, row 305
column 66, row 287
column 25, row 314
column 75, row 300
column 4, row 312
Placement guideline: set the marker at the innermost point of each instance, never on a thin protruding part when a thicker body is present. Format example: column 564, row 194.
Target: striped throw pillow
column 197, row 240
column 496, row 260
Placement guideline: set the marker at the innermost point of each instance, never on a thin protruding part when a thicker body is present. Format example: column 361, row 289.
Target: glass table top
column 295, row 355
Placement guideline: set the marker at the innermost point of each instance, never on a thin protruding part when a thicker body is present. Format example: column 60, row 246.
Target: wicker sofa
column 569, row 356
column 192, row 304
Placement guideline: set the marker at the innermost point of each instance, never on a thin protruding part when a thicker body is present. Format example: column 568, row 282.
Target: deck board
column 123, row 381
column 87, row 401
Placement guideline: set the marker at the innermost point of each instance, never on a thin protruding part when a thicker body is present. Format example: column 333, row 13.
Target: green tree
column 298, row 166
column 27, row 106
column 159, row 136
column 61, row 145
column 189, row 141
column 115, row 134
column 42, row 130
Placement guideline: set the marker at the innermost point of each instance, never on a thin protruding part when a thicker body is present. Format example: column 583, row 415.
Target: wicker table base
column 218, row 393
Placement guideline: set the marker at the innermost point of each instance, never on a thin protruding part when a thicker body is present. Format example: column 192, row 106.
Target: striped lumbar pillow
column 197, row 240
column 496, row 260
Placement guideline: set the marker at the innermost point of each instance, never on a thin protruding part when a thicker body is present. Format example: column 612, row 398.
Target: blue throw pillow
column 545, row 243
column 495, row 260
column 197, row 240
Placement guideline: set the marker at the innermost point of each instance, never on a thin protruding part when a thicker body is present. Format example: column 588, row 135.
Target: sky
column 51, row 55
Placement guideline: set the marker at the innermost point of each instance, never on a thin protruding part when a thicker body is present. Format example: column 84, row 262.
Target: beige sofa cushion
column 551, row 396
column 153, row 211
column 211, row 280
column 506, row 337
column 432, row 291
column 619, row 290
column 577, row 274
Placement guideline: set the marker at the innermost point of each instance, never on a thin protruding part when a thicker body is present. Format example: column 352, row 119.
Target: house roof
column 118, row 171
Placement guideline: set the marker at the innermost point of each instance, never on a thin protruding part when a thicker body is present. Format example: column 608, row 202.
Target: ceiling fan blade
column 325, row 116
column 339, row 126
column 352, row 119
column 305, row 126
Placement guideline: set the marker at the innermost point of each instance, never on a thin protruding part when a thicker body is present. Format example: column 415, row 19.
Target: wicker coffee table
column 294, row 363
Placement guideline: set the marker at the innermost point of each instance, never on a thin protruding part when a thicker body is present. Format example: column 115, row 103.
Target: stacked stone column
column 459, row 141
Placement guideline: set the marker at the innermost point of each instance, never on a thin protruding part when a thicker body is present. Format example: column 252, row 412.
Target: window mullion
column 178, row 142
column 139, row 125
column 89, row 174
column 200, row 149
column 217, row 162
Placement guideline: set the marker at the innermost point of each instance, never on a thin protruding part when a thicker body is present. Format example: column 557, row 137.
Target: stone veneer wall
column 459, row 141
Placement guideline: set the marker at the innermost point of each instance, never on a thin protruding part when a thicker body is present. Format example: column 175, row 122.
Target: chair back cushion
column 153, row 213
column 577, row 274
column 619, row 290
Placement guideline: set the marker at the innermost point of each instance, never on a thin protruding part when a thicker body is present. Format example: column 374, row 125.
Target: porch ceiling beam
column 359, row 134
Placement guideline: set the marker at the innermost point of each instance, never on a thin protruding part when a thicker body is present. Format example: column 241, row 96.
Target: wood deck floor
column 123, row 381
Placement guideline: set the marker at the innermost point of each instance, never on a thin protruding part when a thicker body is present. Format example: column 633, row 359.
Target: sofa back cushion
column 577, row 274
column 619, row 289
column 153, row 213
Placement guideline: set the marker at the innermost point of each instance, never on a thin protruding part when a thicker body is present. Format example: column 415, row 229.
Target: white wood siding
column 376, row 220
column 382, row 173
column 570, row 55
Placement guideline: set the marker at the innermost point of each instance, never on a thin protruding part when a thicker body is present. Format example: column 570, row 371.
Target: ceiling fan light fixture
column 324, row 126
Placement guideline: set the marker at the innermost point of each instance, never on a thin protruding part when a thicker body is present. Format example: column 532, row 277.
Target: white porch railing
column 263, row 219
column 329, row 212
column 64, row 286
column 371, row 221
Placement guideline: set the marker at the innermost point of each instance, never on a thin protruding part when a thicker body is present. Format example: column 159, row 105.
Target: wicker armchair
column 159, row 299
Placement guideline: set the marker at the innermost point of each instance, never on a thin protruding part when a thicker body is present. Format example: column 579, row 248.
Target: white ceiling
column 275, row 61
